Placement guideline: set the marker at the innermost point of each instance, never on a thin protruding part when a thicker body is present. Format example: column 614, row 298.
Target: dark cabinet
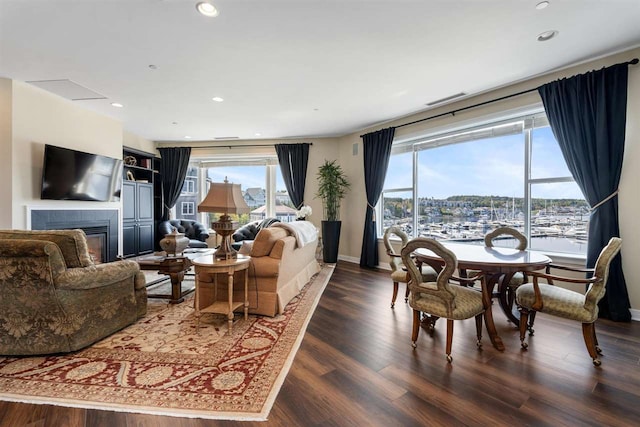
column 137, row 218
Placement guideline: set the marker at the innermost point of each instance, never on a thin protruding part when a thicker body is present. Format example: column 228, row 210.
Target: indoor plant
column 332, row 187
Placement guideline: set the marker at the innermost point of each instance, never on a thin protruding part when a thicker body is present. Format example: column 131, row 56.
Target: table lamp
column 224, row 198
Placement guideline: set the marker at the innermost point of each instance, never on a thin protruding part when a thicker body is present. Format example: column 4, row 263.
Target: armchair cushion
column 72, row 243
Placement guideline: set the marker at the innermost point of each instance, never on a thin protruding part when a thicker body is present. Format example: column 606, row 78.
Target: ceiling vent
column 67, row 89
column 226, row 137
column 448, row 98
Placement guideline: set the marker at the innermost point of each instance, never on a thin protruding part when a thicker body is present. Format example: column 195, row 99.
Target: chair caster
column 413, row 344
column 479, row 344
column 406, row 300
column 393, row 304
column 524, row 345
column 531, row 331
column 598, row 350
column 597, row 362
column 450, row 359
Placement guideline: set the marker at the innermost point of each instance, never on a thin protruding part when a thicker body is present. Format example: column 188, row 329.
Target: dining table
column 498, row 264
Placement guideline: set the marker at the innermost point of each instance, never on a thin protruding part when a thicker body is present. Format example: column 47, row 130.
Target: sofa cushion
column 265, row 240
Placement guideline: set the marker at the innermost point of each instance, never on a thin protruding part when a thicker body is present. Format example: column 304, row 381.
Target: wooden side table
column 209, row 265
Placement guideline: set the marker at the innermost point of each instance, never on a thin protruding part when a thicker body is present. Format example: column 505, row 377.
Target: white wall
column 6, row 159
column 629, row 202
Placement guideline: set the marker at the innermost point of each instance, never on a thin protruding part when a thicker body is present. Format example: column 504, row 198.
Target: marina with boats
column 558, row 227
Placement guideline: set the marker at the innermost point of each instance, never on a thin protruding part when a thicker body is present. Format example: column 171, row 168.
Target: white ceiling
column 294, row 68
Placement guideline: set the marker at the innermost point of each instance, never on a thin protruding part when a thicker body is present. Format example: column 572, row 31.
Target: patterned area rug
column 159, row 365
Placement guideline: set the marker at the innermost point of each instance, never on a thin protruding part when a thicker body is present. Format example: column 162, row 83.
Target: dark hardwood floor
column 356, row 367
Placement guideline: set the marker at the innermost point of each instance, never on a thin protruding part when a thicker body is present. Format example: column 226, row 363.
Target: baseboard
column 350, row 259
column 635, row 314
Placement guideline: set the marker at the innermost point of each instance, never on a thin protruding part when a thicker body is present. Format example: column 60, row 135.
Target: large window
column 469, row 182
column 262, row 187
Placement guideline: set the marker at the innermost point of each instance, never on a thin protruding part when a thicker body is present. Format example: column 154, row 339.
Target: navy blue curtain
column 293, row 159
column 587, row 114
column 174, row 164
column 376, row 151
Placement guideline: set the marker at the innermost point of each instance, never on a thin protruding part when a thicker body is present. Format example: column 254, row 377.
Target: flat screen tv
column 75, row 175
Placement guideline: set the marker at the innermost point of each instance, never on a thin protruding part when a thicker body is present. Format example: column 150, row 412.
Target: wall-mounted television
column 75, row 175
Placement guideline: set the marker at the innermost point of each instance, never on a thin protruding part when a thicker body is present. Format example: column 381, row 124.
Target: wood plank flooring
column 356, row 367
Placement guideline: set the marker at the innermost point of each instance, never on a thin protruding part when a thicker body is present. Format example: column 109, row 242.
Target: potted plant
column 332, row 187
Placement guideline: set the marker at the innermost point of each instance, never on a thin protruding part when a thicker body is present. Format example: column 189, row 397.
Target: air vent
column 448, row 98
column 226, row 137
column 67, row 89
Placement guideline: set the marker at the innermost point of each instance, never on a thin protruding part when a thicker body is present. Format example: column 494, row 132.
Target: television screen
column 74, row 175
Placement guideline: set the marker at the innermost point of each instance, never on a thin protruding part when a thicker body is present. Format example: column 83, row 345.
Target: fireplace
column 100, row 226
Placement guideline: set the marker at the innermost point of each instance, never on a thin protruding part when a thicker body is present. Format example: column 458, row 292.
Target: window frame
column 191, row 206
column 480, row 129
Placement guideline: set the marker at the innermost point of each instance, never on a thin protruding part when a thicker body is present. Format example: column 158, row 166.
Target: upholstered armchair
column 441, row 298
column 547, row 298
column 196, row 232
column 54, row 299
column 398, row 270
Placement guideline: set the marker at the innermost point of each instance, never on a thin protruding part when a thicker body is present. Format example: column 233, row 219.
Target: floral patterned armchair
column 54, row 299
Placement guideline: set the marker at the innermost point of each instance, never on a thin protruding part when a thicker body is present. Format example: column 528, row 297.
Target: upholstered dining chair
column 441, row 298
column 547, row 298
column 398, row 271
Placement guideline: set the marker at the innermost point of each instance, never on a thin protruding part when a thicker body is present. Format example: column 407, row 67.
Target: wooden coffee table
column 175, row 267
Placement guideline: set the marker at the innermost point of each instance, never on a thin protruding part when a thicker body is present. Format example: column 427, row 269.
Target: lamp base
column 225, row 228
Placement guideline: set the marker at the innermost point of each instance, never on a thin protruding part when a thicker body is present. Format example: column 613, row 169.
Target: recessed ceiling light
column 117, row 105
column 207, row 9
column 547, row 35
column 187, row 137
column 217, row 99
column 542, row 5
column 258, row 134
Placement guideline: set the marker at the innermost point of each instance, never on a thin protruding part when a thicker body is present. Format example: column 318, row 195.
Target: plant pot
column 330, row 240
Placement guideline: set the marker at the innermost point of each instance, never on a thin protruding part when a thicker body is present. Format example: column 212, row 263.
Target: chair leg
column 406, row 294
column 479, row 329
column 524, row 315
column 595, row 339
column 416, row 327
column 589, row 334
column 449, row 339
column 395, row 294
column 532, row 318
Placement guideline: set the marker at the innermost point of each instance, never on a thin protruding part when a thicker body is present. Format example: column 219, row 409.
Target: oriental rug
column 161, row 366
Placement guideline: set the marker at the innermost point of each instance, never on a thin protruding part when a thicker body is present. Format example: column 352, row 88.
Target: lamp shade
column 224, row 197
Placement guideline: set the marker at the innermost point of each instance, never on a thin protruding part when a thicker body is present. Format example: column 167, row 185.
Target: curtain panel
column 174, row 162
column 293, row 159
column 587, row 114
column 376, row 151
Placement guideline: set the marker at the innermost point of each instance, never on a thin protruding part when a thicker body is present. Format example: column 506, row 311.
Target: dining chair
column 440, row 298
column 548, row 298
column 398, row 270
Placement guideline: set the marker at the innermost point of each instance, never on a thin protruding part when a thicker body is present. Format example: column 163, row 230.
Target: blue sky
column 246, row 176
column 485, row 167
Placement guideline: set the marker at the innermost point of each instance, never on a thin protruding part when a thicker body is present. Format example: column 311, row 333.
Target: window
column 187, row 208
column 189, row 186
column 469, row 182
column 262, row 187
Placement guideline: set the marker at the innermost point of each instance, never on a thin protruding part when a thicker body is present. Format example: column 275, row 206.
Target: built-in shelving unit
column 138, row 194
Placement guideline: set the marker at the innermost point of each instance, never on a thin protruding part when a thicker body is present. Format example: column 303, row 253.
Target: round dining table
column 499, row 265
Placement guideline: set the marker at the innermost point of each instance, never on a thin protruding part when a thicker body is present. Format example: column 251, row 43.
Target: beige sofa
column 54, row 299
column 280, row 267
